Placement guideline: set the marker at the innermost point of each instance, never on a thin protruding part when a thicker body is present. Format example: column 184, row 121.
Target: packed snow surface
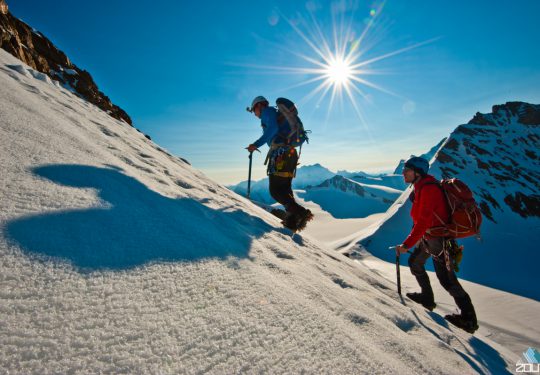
column 117, row 257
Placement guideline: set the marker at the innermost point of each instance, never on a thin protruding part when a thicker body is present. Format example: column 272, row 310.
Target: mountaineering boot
column 289, row 221
column 465, row 322
column 297, row 218
column 279, row 213
column 302, row 218
column 421, row 299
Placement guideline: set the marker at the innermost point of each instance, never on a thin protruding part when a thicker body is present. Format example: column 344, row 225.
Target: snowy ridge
column 394, row 181
column 428, row 156
column 496, row 156
column 345, row 198
column 116, row 256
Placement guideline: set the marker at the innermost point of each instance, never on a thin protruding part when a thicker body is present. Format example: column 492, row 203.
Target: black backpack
column 296, row 135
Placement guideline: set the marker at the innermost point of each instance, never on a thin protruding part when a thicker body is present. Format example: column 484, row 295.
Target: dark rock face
column 528, row 114
column 486, row 211
column 500, row 150
column 480, row 119
column 524, row 205
column 34, row 49
column 525, row 113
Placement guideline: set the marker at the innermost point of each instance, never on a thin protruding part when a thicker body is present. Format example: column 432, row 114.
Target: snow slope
column 117, row 257
column 495, row 154
column 508, row 319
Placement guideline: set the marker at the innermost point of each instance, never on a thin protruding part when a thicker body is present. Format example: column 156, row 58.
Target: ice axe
column 249, row 174
column 398, row 274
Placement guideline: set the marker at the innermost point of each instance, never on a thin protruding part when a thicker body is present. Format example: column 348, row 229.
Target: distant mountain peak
column 498, row 152
column 341, row 183
column 314, row 166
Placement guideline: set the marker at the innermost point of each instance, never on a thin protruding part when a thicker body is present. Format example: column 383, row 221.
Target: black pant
column 447, row 278
column 283, row 160
column 281, row 191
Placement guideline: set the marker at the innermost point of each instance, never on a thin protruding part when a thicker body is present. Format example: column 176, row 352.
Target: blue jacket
column 271, row 129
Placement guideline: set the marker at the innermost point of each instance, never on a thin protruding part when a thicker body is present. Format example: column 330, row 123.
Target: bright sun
column 337, row 62
column 338, row 71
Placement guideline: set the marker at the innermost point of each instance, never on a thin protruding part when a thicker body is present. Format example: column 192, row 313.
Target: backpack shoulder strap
column 439, row 184
column 414, row 193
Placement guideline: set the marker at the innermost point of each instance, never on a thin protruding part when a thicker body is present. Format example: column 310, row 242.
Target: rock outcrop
column 34, row 49
column 3, row 7
column 499, row 150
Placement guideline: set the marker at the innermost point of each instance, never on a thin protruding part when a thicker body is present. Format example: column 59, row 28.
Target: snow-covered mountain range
column 318, row 180
column 496, row 155
column 305, row 176
column 345, row 198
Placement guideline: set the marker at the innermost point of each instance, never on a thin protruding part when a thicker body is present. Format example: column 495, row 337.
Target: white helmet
column 257, row 100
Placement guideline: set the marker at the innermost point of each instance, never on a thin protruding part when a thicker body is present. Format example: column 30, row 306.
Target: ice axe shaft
column 398, row 273
column 249, row 174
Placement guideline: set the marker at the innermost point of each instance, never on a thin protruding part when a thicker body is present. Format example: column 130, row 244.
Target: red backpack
column 465, row 215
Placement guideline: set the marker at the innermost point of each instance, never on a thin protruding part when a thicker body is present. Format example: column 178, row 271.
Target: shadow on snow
column 136, row 227
column 482, row 352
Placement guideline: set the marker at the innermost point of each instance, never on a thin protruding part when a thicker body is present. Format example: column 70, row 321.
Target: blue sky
column 185, row 71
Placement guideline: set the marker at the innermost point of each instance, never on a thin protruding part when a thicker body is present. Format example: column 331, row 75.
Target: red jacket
column 429, row 200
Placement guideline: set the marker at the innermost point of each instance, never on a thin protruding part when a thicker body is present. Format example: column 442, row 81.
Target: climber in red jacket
column 430, row 210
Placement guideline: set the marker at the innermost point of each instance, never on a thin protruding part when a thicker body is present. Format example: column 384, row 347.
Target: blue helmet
column 418, row 164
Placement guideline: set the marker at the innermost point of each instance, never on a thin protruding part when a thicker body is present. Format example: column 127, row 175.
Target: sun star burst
column 339, row 71
column 337, row 66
